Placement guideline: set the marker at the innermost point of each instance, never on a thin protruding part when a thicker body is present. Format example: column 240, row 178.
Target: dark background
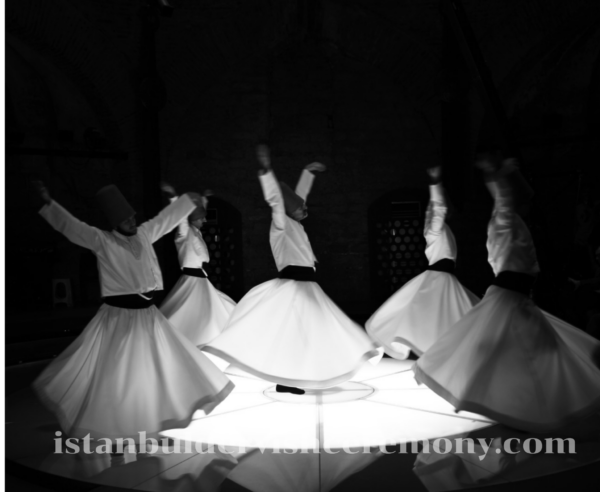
column 129, row 92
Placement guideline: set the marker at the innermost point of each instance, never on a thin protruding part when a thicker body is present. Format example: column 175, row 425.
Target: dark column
column 456, row 156
column 151, row 99
column 480, row 73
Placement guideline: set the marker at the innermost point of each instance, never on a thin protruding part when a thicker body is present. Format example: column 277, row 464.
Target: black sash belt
column 446, row 265
column 303, row 274
column 130, row 301
column 519, row 282
column 194, row 272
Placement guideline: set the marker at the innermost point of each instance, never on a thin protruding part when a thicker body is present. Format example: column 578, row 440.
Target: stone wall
column 356, row 85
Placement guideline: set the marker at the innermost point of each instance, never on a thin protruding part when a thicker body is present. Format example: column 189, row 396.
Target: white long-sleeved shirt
column 510, row 245
column 440, row 240
column 289, row 242
column 191, row 248
column 126, row 264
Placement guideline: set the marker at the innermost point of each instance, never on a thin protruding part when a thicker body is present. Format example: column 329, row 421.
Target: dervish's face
column 128, row 227
column 198, row 222
column 300, row 213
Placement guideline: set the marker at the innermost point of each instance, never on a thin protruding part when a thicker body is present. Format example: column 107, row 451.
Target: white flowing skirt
column 197, row 310
column 291, row 333
column 510, row 361
column 129, row 372
column 420, row 313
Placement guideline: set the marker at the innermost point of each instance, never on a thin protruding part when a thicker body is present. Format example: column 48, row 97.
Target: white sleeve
column 305, row 184
column 168, row 218
column 183, row 227
column 504, row 210
column 273, row 196
column 504, row 187
column 436, row 210
column 73, row 229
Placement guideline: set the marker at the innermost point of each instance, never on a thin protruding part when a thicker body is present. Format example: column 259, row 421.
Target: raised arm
column 273, row 197
column 168, row 218
column 304, row 184
column 184, row 226
column 437, row 209
column 73, row 229
column 307, row 178
column 270, row 186
column 501, row 184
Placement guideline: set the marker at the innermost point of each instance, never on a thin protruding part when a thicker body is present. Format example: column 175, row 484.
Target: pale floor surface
column 264, row 441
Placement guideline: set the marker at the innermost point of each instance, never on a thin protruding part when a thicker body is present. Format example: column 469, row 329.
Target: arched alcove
column 222, row 234
column 396, row 242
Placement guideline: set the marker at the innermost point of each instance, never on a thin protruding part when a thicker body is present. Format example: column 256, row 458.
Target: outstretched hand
column 42, row 191
column 489, row 164
column 167, row 188
column 316, row 167
column 485, row 164
column 263, row 154
column 435, row 173
column 510, row 163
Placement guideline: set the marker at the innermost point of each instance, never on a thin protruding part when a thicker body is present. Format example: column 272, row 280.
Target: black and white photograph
column 301, row 245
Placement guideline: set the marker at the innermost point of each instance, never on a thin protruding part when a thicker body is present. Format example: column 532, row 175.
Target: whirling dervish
column 129, row 372
column 507, row 359
column 287, row 330
column 194, row 307
column 429, row 304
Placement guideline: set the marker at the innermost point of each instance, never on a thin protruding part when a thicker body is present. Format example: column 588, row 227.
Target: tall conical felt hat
column 114, row 205
column 291, row 200
column 200, row 210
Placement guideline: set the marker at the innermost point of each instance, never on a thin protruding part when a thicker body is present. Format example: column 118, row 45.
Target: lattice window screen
column 222, row 248
column 399, row 246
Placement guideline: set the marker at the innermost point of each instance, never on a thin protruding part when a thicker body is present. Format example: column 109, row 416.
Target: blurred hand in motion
column 42, row 191
column 316, row 167
column 263, row 154
column 168, row 189
column 435, row 173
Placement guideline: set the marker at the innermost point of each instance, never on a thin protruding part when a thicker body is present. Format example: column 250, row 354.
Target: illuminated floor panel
column 367, row 423
column 425, row 400
column 382, row 405
column 270, row 425
column 265, row 441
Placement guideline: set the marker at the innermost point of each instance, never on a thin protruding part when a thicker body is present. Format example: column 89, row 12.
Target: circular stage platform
column 380, row 430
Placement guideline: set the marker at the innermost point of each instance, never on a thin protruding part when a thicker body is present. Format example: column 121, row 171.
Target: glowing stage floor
column 348, row 438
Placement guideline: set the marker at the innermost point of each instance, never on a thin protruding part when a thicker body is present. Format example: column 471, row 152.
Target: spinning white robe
column 429, row 304
column 289, row 331
column 194, row 307
column 506, row 358
column 129, row 371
